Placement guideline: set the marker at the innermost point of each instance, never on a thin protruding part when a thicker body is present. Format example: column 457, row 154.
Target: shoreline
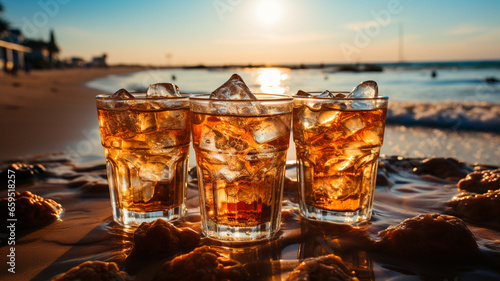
column 46, row 110
column 53, row 111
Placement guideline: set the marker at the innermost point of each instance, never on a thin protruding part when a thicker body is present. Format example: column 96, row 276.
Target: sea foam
column 466, row 115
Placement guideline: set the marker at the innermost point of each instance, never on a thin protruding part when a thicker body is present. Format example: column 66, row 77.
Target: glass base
column 357, row 217
column 240, row 234
column 128, row 218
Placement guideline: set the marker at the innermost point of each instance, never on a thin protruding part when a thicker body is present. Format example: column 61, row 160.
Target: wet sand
column 44, row 111
column 86, row 231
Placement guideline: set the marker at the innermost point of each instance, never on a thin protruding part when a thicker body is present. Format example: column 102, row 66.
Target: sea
column 445, row 109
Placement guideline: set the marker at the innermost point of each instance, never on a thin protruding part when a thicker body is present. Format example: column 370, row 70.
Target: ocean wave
column 481, row 116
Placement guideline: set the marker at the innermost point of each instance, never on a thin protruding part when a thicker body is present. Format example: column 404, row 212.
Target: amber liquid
column 147, row 154
column 337, row 152
column 241, row 161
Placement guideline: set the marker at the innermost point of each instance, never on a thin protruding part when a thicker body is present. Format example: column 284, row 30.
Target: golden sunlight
column 269, row 11
column 270, row 80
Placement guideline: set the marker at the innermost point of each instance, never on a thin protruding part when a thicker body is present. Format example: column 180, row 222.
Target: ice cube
column 361, row 104
column 251, row 108
column 335, row 165
column 213, row 157
column 112, row 141
column 122, row 94
column 233, row 89
column 171, row 120
column 241, row 108
column 145, row 106
column 247, row 195
column 367, row 89
column 373, row 136
column 155, row 171
column 331, row 135
column 356, row 149
column 117, row 124
column 367, row 159
column 142, row 191
column 303, row 94
column 326, row 118
column 147, row 191
column 207, row 139
column 134, row 144
column 160, row 143
column 212, row 140
column 133, row 160
column 163, row 90
column 260, row 170
column 161, row 167
column 173, row 155
column 352, row 124
column 337, row 187
column 337, row 104
column 234, row 163
column 230, row 175
column 327, row 94
column 268, row 129
column 142, row 122
column 312, row 119
column 307, row 117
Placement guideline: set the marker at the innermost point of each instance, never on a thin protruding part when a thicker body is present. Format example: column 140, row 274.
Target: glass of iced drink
column 241, row 140
column 338, row 137
column 146, row 141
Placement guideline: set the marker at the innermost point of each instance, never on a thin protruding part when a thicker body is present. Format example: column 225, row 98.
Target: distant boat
column 491, row 79
column 360, row 68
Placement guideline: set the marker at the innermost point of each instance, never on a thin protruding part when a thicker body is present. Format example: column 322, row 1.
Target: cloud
column 465, row 29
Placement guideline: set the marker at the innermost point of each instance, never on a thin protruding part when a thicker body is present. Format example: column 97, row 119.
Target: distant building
column 99, row 61
column 16, row 52
column 39, row 56
column 12, row 51
column 43, row 54
column 77, row 62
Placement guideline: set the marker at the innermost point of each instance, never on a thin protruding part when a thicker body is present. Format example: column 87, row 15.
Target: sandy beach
column 46, row 110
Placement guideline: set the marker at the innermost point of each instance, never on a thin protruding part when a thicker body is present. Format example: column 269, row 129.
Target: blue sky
column 263, row 31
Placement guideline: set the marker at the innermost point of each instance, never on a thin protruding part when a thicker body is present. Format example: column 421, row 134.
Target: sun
column 269, row 12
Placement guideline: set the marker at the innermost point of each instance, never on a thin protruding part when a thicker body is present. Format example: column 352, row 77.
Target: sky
column 215, row 32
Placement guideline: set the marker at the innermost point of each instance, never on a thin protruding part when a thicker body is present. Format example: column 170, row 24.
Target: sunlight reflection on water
column 270, row 80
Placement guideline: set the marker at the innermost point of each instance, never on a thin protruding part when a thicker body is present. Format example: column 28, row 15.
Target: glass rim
column 271, row 98
column 336, row 98
column 107, row 97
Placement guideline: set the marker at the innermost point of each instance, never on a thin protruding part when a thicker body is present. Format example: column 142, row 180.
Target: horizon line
column 311, row 64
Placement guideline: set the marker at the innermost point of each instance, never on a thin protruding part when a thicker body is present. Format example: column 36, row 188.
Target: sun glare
column 270, row 80
column 269, row 12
